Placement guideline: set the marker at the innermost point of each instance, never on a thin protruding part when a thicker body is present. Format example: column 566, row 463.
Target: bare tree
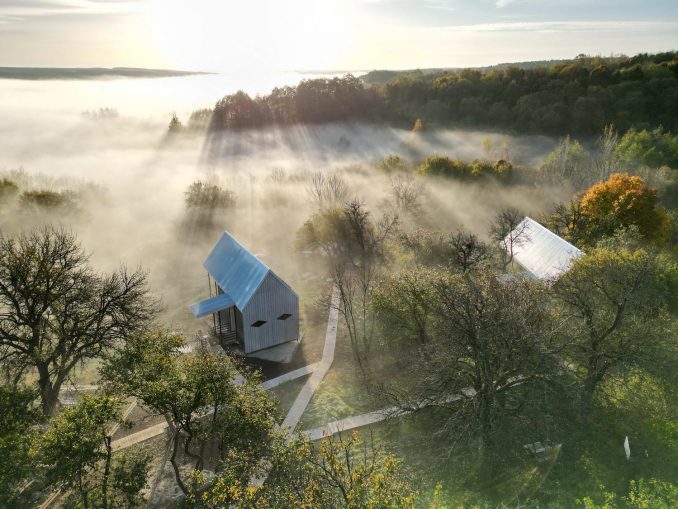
column 56, row 312
column 509, row 232
column 567, row 163
column 468, row 251
column 605, row 161
column 407, row 193
column 327, row 191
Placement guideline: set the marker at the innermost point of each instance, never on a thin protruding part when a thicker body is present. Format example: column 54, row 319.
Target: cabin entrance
column 224, row 325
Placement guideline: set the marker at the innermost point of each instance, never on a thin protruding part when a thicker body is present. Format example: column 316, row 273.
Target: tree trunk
column 594, row 374
column 590, row 384
column 49, row 394
column 83, row 492
column 107, row 471
column 173, row 461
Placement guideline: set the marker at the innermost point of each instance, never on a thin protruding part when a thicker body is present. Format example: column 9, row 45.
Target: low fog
column 129, row 178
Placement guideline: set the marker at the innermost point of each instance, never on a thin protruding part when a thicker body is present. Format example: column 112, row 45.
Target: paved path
column 159, row 429
column 306, row 393
column 292, row 375
column 358, row 421
column 322, row 367
column 139, row 436
column 317, row 370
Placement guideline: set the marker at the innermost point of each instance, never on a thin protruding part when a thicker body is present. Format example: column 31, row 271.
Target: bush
column 208, row 196
column 445, row 167
column 392, row 163
column 47, row 199
column 455, row 168
column 8, row 189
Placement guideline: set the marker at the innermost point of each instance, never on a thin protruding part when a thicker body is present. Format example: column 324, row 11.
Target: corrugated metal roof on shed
column 237, row 271
column 543, row 253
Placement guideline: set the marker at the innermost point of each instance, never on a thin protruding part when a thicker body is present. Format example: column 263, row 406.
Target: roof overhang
column 212, row 305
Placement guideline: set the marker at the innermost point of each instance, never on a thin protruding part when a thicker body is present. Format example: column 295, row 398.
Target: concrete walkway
column 292, row 375
column 317, row 371
column 304, row 397
column 159, row 429
column 358, row 421
column 322, row 367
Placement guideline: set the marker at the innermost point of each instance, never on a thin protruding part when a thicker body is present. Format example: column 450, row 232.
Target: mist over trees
column 578, row 98
column 498, row 390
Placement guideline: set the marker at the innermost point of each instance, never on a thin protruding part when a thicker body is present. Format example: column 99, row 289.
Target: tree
column 654, row 148
column 620, row 202
column 326, row 191
column 468, row 252
column 604, row 161
column 337, row 473
column 175, row 125
column 509, row 232
column 567, row 221
column 490, row 340
column 566, row 163
column 404, row 304
column 612, row 300
column 461, row 250
column 76, row 454
column 445, row 167
column 8, row 190
column 206, row 399
column 406, row 192
column 204, row 201
column 56, row 312
column 392, row 163
column 202, row 195
column 17, row 416
column 48, row 201
column 356, row 250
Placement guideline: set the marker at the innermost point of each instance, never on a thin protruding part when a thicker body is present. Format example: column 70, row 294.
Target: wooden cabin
column 249, row 303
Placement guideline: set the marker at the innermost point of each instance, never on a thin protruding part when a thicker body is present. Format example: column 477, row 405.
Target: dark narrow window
column 258, row 323
column 284, row 316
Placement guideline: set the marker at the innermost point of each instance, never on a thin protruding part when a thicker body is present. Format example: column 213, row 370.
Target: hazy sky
column 259, row 35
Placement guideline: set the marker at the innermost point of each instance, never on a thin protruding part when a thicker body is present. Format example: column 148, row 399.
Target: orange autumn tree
column 620, row 202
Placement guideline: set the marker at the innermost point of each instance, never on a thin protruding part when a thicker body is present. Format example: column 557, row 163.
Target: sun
column 249, row 35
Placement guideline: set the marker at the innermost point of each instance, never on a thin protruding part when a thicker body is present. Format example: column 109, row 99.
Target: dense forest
column 577, row 98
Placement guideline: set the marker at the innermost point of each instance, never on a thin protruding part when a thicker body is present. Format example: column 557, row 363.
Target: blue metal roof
column 237, row 271
column 212, row 305
column 541, row 252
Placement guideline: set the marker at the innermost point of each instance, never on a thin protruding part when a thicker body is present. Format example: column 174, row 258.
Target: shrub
column 47, row 199
column 8, row 189
column 455, row 168
column 208, row 196
column 392, row 163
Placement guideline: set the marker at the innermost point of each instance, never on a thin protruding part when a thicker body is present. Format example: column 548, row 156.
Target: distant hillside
column 85, row 73
column 556, row 97
column 383, row 76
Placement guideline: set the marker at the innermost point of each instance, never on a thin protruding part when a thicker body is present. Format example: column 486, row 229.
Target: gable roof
column 541, row 252
column 236, row 270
